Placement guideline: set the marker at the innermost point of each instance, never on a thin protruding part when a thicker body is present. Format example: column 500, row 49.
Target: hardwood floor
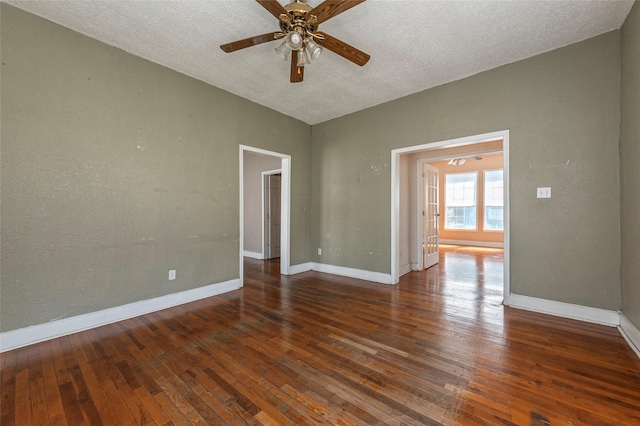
column 439, row 348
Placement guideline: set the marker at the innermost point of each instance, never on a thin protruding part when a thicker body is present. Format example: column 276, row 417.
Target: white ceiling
column 414, row 44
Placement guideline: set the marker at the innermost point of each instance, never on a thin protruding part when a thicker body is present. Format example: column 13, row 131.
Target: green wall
column 630, row 173
column 563, row 112
column 115, row 170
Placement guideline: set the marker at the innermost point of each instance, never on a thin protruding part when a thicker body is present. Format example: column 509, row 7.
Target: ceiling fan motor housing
column 298, row 7
column 297, row 20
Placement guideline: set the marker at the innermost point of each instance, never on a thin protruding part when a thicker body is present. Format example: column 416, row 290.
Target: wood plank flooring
column 439, row 348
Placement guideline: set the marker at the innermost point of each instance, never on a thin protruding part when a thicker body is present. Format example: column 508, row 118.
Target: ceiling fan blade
column 343, row 49
column 297, row 73
column 273, row 7
column 330, row 8
column 247, row 42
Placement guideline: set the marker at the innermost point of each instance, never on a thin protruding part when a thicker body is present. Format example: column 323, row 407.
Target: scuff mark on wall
column 377, row 169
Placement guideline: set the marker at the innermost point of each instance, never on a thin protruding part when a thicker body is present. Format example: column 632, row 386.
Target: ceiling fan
column 299, row 31
column 461, row 160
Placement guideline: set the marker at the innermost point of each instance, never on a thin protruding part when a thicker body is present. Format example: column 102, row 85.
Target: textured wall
column 630, row 172
column 563, row 112
column 115, row 170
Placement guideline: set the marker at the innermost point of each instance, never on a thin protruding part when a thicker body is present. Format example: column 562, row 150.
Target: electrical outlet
column 172, row 274
column 544, row 192
column 319, row 251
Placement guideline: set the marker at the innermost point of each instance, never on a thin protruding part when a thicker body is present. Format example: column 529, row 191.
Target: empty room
column 319, row 212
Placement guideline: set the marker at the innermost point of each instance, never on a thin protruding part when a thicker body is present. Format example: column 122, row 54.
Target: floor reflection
column 469, row 284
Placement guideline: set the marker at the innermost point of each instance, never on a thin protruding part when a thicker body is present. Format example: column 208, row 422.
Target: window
column 460, row 200
column 493, row 200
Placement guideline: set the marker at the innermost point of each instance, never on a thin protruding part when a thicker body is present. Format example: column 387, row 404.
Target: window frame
column 484, row 200
column 446, row 206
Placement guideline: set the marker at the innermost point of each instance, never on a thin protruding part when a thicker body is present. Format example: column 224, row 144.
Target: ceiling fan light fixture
column 313, row 49
column 294, row 40
column 283, row 50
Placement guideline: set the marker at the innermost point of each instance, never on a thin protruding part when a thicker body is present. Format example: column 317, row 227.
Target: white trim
column 630, row 333
column 477, row 187
column 241, row 209
column 565, row 310
column 285, row 217
column 303, row 267
column 395, row 216
column 285, row 209
column 418, row 249
column 506, row 233
column 419, row 207
column 15, row 339
column 361, row 274
column 473, row 243
column 253, row 254
column 405, row 269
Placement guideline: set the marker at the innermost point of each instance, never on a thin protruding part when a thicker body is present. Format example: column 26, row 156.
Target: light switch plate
column 544, row 192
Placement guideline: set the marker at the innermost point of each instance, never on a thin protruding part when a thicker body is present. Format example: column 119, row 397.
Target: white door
column 430, row 216
column 273, row 216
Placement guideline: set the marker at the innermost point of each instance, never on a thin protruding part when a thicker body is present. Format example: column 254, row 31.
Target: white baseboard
column 405, row 269
column 377, row 277
column 565, row 310
column 302, row 267
column 473, row 243
column 361, row 274
column 630, row 333
column 253, row 255
column 15, row 339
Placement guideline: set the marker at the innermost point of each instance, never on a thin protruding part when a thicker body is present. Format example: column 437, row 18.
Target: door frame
column 285, row 210
column 450, row 143
column 265, row 223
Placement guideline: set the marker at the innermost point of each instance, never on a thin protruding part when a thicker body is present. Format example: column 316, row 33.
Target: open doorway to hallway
column 260, row 175
column 265, row 200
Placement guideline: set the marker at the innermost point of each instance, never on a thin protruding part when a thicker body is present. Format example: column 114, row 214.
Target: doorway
column 429, row 152
column 271, row 214
column 430, row 219
column 284, row 163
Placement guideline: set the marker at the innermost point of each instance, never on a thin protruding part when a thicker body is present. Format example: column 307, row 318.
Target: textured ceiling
column 414, row 44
